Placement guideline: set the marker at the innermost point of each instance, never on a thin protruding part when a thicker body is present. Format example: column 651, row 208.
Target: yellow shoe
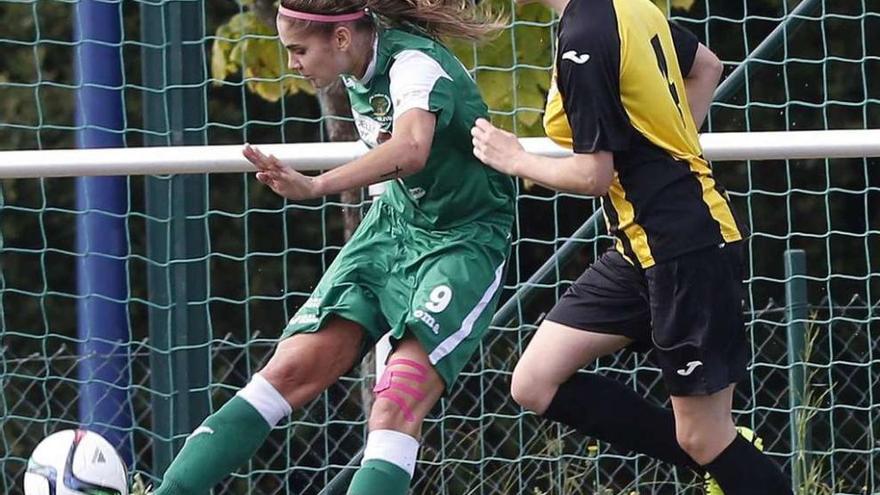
column 710, row 486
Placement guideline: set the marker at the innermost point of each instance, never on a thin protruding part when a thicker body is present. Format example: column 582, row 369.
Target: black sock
column 741, row 469
column 610, row 411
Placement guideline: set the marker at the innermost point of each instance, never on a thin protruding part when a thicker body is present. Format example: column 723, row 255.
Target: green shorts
column 439, row 286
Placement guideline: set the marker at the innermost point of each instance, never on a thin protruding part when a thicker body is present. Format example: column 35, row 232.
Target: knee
column 289, row 374
column 390, row 415
column 529, row 391
column 700, row 444
column 404, row 395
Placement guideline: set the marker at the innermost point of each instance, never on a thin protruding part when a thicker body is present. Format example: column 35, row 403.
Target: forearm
column 391, row 160
column 567, row 174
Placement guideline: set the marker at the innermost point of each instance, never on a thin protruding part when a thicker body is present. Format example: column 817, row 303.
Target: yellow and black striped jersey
column 619, row 88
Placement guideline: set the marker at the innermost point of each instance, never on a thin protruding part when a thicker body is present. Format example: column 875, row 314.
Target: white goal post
column 724, row 146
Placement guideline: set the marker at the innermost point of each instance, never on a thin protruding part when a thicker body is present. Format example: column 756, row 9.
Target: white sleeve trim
column 412, row 77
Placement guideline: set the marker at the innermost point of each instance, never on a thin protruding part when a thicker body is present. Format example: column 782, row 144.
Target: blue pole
column 101, row 235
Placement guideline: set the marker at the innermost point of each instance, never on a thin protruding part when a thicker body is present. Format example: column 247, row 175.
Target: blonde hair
column 440, row 19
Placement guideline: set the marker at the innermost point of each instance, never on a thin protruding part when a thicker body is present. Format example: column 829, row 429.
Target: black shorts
column 688, row 310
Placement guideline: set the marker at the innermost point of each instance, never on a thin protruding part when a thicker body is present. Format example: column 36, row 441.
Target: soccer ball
column 75, row 462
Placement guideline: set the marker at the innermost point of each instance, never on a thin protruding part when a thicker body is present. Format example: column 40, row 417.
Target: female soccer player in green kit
column 426, row 263
column 673, row 281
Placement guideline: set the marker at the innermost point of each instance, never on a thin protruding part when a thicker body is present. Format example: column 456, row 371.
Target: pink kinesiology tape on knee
column 387, row 386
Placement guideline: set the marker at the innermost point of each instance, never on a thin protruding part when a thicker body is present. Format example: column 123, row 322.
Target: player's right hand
column 496, row 147
column 285, row 181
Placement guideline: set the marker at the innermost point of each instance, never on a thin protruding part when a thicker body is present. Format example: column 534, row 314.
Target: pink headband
column 308, row 16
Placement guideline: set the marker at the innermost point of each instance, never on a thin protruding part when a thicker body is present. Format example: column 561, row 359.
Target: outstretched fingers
column 263, row 162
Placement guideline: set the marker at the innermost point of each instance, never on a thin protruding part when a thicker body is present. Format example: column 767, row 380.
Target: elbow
column 597, row 174
column 600, row 190
column 413, row 155
column 416, row 166
column 598, row 186
column 591, row 186
column 707, row 66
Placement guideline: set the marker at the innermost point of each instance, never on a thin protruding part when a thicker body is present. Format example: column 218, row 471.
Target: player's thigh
column 609, row 298
column 327, row 334
column 558, row 351
column 351, row 286
column 305, row 364
column 604, row 310
column 698, row 331
column 454, row 296
column 407, row 390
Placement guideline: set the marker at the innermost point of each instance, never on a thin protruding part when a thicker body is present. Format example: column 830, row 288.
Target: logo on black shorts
column 691, row 366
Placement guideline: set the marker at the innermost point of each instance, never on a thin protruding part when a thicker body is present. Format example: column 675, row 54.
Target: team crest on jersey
column 373, row 119
column 381, row 105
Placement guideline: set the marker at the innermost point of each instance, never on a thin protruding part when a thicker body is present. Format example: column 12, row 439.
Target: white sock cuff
column 392, row 446
column 266, row 399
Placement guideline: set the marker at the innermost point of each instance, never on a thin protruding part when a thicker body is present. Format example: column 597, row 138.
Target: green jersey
column 410, row 71
column 428, row 259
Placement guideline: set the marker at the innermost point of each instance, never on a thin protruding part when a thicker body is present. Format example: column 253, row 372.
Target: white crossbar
column 323, row 156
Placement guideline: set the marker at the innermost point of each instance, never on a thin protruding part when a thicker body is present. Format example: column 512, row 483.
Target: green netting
column 263, row 255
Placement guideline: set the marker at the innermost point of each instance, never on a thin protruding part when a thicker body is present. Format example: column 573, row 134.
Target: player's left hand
column 285, row 181
column 496, row 148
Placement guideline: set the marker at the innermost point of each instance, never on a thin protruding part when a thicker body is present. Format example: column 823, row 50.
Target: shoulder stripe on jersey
column 412, row 77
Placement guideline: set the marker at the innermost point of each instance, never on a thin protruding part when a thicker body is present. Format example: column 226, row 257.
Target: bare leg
column 405, row 394
column 301, row 368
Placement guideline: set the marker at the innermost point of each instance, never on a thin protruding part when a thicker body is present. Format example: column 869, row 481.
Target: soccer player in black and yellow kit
column 673, row 281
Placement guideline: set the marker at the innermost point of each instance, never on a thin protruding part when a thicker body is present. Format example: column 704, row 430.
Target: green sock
column 377, row 477
column 225, row 440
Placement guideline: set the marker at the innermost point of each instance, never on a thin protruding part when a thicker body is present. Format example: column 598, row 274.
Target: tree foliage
column 247, row 44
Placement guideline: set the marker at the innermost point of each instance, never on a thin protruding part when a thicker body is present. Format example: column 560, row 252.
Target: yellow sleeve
column 556, row 125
